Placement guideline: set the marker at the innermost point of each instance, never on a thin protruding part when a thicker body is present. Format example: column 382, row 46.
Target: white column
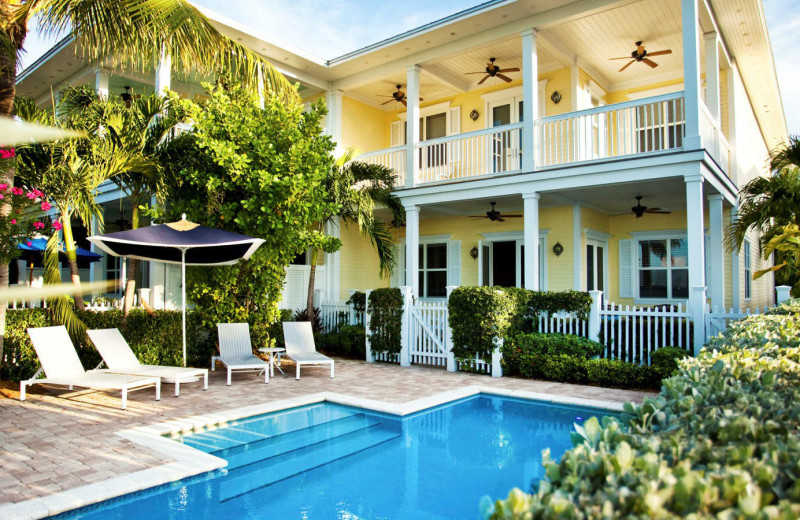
column 333, row 99
column 712, row 74
column 530, row 98
column 405, row 328
column 448, row 337
column 412, row 125
column 333, row 264
column 594, row 315
column 733, row 169
column 574, row 77
column 412, row 249
column 695, row 229
column 735, row 281
column 163, row 72
column 715, row 258
column 101, row 82
column 531, row 235
column 782, row 293
column 691, row 72
column 577, row 247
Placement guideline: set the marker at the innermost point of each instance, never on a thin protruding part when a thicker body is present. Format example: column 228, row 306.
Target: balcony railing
column 632, row 128
column 636, row 128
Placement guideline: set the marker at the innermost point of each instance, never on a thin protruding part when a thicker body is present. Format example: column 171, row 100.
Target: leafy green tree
column 769, row 204
column 256, row 171
column 133, row 32
column 356, row 188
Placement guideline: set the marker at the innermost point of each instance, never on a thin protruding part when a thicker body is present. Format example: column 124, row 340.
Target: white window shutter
column 626, row 268
column 397, row 137
column 453, row 128
column 295, row 287
column 454, row 262
column 398, row 278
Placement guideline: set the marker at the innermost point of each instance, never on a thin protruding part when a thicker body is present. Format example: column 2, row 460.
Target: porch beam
column 712, row 74
column 577, row 247
column 691, row 73
column 412, row 125
column 531, row 236
column 446, row 79
column 412, row 249
column 530, row 98
column 715, row 258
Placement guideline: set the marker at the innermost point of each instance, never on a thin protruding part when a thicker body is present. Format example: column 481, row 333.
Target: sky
column 330, row 29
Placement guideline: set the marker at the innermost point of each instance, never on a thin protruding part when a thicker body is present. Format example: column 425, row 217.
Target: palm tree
column 769, row 204
column 356, row 188
column 132, row 31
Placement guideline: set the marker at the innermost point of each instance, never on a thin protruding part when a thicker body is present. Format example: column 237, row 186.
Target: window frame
column 669, row 298
column 423, row 268
column 747, row 252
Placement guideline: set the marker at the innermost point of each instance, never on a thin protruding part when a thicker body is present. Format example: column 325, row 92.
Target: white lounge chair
column 300, row 346
column 61, row 366
column 236, row 351
column 120, row 359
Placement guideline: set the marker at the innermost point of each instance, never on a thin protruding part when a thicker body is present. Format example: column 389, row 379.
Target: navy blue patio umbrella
column 182, row 242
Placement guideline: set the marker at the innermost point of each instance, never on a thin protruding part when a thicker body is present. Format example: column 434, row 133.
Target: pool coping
column 188, row 461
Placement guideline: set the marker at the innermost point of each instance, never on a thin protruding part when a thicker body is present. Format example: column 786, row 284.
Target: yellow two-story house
column 588, row 145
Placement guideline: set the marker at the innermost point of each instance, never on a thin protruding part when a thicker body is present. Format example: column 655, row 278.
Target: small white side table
column 274, row 360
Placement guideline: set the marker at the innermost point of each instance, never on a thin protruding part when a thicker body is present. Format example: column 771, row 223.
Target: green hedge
column 479, row 314
column 569, row 359
column 719, row 442
column 386, row 316
column 349, row 341
column 155, row 339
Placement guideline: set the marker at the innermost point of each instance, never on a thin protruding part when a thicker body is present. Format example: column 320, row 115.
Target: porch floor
column 60, row 439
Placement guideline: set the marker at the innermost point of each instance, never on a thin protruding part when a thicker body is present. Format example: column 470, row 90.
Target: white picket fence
column 563, row 323
column 95, row 306
column 428, row 333
column 333, row 316
column 632, row 333
column 718, row 320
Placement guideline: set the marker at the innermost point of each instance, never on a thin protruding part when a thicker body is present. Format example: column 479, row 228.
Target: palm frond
column 60, row 307
column 786, row 155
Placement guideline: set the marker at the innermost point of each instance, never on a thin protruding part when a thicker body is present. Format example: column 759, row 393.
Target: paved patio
column 60, row 439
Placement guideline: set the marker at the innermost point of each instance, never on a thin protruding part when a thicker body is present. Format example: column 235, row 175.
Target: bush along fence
column 471, row 330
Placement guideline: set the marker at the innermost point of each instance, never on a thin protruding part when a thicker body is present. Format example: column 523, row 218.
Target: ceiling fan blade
column 650, row 63
column 621, row 58
column 403, row 101
column 660, row 53
column 512, row 216
column 512, row 69
column 658, row 212
column 387, row 102
column 381, row 95
column 499, row 219
column 481, row 72
column 504, row 78
column 477, row 217
column 626, row 66
column 484, row 79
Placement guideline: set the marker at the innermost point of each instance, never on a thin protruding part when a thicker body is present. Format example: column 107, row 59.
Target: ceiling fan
column 127, row 97
column 494, row 215
column 641, row 55
column 493, row 71
column 398, row 96
column 640, row 210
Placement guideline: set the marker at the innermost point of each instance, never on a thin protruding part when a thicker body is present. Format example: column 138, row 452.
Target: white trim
column 427, row 239
column 429, row 110
column 601, row 236
column 577, row 247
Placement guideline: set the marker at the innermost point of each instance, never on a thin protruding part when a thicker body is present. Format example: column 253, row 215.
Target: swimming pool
column 329, row 461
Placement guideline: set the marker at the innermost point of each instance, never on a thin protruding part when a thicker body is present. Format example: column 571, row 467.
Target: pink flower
column 3, row 186
column 13, row 221
column 7, row 153
column 31, row 195
column 38, row 225
column 39, row 193
column 57, row 226
column 29, row 243
column 2, row 196
column 46, row 206
column 16, row 191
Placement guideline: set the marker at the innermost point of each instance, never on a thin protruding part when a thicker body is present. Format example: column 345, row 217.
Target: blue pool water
column 326, row 461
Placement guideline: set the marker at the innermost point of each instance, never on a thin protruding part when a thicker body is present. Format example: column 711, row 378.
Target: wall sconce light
column 474, row 253
column 555, row 97
column 474, row 115
column 558, row 249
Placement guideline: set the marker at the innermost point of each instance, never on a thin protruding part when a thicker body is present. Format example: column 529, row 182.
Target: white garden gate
column 428, row 333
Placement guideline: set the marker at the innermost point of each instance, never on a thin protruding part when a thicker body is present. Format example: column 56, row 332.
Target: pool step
column 255, row 452
column 253, row 429
column 303, row 458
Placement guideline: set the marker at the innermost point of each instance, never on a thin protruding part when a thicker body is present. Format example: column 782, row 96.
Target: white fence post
column 405, row 329
column 351, row 319
column 594, row 315
column 698, row 308
column 783, row 293
column 448, row 337
column 497, row 357
column 367, row 316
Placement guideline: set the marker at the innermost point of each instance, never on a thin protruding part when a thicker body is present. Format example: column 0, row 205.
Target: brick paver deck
column 60, row 439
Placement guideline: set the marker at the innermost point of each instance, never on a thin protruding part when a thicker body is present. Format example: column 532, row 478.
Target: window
column 748, row 271
column 663, row 269
column 433, row 270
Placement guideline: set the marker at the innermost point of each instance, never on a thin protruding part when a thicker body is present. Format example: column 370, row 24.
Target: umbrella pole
column 183, row 300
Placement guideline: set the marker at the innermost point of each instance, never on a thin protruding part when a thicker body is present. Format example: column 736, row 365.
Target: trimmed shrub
column 386, row 317
column 615, row 372
column 478, row 315
column 719, row 442
column 665, row 361
column 349, row 341
column 786, row 308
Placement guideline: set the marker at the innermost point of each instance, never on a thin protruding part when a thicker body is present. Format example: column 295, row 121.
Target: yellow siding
column 359, row 264
column 363, row 127
column 723, row 103
column 621, row 96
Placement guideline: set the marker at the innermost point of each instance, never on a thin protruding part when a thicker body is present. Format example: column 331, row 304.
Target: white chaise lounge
column 236, row 351
column 120, row 359
column 300, row 346
column 61, row 366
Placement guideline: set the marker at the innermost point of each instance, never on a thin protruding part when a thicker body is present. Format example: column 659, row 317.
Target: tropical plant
column 787, row 244
column 768, row 204
column 131, row 32
column 256, row 170
column 357, row 188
